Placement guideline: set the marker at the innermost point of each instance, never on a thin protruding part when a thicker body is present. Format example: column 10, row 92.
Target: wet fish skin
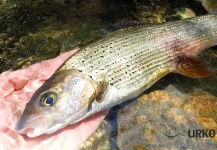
column 116, row 68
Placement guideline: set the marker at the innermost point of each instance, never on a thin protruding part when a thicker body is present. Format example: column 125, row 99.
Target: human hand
column 16, row 89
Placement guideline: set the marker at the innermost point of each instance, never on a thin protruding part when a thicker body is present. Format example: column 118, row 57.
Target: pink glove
column 16, row 88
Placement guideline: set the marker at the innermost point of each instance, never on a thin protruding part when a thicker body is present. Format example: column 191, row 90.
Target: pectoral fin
column 192, row 67
column 101, row 93
column 101, row 85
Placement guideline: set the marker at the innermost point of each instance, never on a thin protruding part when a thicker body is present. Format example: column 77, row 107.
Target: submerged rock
column 187, row 13
column 160, row 120
column 209, row 5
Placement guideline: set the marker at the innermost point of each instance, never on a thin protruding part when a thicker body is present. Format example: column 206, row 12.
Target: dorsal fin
column 192, row 67
column 123, row 25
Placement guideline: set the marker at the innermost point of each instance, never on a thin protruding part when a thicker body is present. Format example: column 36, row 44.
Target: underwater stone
column 209, row 5
column 161, row 119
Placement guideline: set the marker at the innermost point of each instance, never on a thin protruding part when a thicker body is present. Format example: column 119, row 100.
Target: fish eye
column 48, row 99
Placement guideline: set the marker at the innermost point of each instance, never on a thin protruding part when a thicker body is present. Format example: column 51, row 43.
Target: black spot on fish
column 91, row 77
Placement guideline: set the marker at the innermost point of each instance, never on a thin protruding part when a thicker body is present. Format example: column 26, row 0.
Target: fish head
column 61, row 100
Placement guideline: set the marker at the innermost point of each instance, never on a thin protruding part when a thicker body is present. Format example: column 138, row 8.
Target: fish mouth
column 34, row 132
column 35, row 126
column 31, row 132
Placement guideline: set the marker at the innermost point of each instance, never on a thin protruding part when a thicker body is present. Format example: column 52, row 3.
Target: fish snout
column 34, row 126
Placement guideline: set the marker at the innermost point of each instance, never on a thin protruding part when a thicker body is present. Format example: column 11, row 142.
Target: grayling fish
column 117, row 68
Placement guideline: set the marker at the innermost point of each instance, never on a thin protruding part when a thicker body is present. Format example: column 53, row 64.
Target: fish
column 118, row 67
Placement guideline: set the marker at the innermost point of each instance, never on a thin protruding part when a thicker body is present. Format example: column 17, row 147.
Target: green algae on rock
column 56, row 26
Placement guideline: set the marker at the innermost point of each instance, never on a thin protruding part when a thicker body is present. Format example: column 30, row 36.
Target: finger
column 15, row 80
column 50, row 66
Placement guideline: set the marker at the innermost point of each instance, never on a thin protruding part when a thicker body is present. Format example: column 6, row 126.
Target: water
column 164, row 115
